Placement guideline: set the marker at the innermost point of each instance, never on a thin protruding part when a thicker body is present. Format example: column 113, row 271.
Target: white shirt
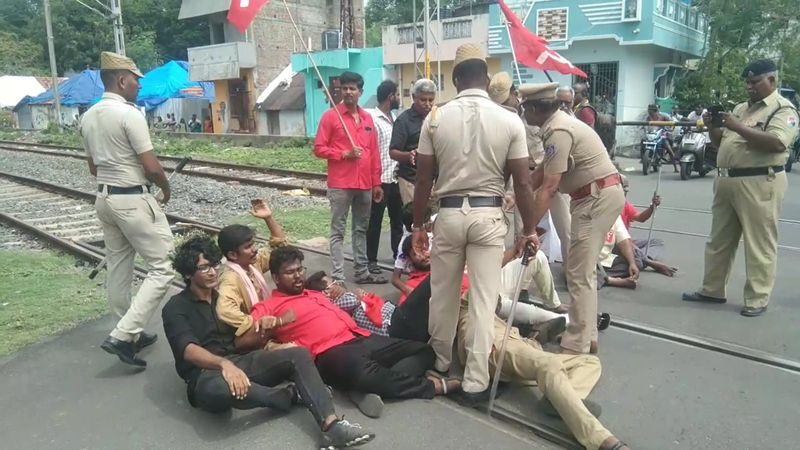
column 618, row 233
column 384, row 125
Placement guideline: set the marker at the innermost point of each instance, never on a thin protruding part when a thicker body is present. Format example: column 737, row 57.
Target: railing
column 682, row 13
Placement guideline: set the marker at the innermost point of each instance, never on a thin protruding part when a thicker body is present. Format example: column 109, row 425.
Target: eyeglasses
column 296, row 271
column 205, row 269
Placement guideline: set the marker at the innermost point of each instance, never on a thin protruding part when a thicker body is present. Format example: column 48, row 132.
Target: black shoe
column 374, row 269
column 471, row 399
column 547, row 331
column 603, row 321
column 753, row 311
column 145, row 340
column 548, row 409
column 126, row 351
column 371, row 405
column 344, row 434
column 698, row 297
column 524, row 296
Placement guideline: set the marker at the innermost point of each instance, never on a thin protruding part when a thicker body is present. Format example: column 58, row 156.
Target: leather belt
column 602, row 183
column 749, row 171
column 116, row 190
column 475, row 202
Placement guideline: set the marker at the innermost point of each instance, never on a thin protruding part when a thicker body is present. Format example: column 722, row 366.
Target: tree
column 19, row 56
column 143, row 50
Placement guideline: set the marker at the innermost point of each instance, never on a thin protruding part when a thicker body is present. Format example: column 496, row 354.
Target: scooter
column 696, row 154
column 652, row 150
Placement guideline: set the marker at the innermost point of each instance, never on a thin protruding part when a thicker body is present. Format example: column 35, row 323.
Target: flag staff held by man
column 121, row 156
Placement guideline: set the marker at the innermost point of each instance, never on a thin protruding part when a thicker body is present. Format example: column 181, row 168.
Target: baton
column 653, row 217
column 662, row 123
column 526, row 256
column 177, row 169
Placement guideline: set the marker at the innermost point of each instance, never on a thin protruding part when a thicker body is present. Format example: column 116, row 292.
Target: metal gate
column 602, row 85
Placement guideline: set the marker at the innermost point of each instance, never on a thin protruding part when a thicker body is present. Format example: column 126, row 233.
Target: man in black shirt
column 405, row 137
column 220, row 372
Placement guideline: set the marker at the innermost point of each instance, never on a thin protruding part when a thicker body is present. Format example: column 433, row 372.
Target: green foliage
column 20, row 56
column 6, row 119
column 143, row 49
column 299, row 224
column 43, row 293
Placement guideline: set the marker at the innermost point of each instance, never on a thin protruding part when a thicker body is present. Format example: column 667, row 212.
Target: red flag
column 242, row 12
column 532, row 50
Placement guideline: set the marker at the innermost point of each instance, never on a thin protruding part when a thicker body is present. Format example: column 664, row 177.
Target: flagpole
column 511, row 45
column 319, row 75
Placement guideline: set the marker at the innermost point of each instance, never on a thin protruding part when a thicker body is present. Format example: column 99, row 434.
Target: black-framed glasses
column 205, row 269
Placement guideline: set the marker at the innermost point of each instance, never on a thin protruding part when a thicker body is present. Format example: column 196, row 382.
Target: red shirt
column 586, row 115
column 331, row 143
column 416, row 278
column 628, row 212
column 320, row 324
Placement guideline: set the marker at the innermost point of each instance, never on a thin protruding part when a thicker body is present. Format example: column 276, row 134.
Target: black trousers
column 410, row 320
column 265, row 370
column 392, row 202
column 389, row 367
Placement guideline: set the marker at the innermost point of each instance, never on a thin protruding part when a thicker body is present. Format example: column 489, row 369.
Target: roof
column 13, row 89
column 83, row 89
column 287, row 96
column 171, row 81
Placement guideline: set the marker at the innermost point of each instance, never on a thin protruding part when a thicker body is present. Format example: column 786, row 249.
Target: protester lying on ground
column 402, row 264
column 347, row 356
column 631, row 214
column 621, row 262
column 565, row 380
column 369, row 311
column 219, row 376
column 242, row 283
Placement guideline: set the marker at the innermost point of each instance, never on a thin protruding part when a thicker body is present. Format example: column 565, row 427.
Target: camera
column 716, row 117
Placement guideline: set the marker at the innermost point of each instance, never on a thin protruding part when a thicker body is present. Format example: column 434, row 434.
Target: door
column 603, row 82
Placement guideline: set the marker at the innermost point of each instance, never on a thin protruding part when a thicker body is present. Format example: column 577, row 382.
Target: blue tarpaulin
column 84, row 89
column 171, row 81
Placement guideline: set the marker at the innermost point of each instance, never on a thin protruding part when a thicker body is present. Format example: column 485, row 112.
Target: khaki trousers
column 592, row 217
column 564, row 379
column 559, row 212
column 406, row 190
column 473, row 236
column 749, row 207
column 134, row 224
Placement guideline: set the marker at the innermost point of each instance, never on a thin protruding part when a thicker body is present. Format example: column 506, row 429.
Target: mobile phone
column 716, row 117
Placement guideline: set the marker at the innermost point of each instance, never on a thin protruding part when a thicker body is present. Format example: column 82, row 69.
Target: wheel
column 646, row 162
column 686, row 170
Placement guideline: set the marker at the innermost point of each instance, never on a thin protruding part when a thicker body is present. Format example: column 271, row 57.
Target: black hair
column 472, row 71
column 234, row 236
column 283, row 255
column 109, row 77
column 543, row 106
column 315, row 282
column 186, row 255
column 385, row 89
column 351, row 78
column 406, row 247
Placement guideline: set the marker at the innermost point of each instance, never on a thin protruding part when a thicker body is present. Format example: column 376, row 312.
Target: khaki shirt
column 535, row 145
column 233, row 304
column 472, row 138
column 736, row 152
column 574, row 150
column 114, row 134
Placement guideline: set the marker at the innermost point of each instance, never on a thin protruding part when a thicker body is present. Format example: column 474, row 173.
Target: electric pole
column 53, row 73
column 119, row 32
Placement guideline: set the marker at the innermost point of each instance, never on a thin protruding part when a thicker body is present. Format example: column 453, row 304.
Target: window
column 408, row 35
column 217, row 33
column 274, row 123
column 458, row 29
column 551, row 24
column 631, row 11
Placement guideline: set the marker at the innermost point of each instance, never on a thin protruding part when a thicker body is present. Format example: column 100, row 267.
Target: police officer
column 748, row 193
column 121, row 156
column 576, row 163
column 473, row 143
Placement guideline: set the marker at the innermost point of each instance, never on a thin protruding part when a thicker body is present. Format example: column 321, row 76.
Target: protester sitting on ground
column 621, row 262
column 242, row 283
column 369, row 311
column 219, row 376
column 347, row 356
column 565, row 380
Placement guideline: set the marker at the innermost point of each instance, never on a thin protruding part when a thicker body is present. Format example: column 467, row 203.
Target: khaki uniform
column 564, row 379
column 471, row 138
column 574, row 150
column 750, row 205
column 114, row 134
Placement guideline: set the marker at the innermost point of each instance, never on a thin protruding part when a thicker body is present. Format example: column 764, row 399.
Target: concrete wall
column 291, row 123
column 396, row 52
column 38, row 117
column 405, row 75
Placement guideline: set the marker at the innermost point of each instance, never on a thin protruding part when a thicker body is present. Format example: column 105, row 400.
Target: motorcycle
column 794, row 155
column 696, row 154
column 652, row 150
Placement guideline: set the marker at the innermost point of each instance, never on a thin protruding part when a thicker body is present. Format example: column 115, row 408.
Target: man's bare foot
column 613, row 443
column 627, row 283
column 662, row 268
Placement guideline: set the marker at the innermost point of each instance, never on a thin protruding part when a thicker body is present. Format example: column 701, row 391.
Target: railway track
column 281, row 179
column 65, row 217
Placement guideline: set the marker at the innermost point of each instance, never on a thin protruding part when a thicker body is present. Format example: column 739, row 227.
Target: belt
column 475, row 202
column 748, row 171
column 602, row 183
column 116, row 190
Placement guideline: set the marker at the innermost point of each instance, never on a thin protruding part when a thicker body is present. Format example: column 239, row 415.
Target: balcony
column 221, row 61
column 399, row 40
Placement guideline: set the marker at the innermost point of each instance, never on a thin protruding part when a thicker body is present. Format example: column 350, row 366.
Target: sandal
column 372, row 279
column 443, row 380
column 374, row 268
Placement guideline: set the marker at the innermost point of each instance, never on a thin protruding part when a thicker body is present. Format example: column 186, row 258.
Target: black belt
column 475, row 202
column 749, row 171
column 116, row 190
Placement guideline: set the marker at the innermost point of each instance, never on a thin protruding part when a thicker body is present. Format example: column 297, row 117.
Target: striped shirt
column 350, row 304
column 384, row 125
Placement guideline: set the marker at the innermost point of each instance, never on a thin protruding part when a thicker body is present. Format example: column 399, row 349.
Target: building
column 632, row 50
column 282, row 105
column 241, row 65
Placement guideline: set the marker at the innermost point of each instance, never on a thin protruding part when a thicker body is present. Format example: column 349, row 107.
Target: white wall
column 293, row 123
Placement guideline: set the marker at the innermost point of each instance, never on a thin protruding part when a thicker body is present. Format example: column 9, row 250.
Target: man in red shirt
column 347, row 357
column 583, row 110
column 354, row 174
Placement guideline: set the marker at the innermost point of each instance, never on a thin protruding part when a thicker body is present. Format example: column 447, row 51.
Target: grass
column 299, row 224
column 43, row 293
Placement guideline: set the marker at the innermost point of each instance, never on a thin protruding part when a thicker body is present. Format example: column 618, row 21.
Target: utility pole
column 119, row 32
column 53, row 73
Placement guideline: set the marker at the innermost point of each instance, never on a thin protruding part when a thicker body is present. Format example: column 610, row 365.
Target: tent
column 13, row 89
column 82, row 90
column 171, row 81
